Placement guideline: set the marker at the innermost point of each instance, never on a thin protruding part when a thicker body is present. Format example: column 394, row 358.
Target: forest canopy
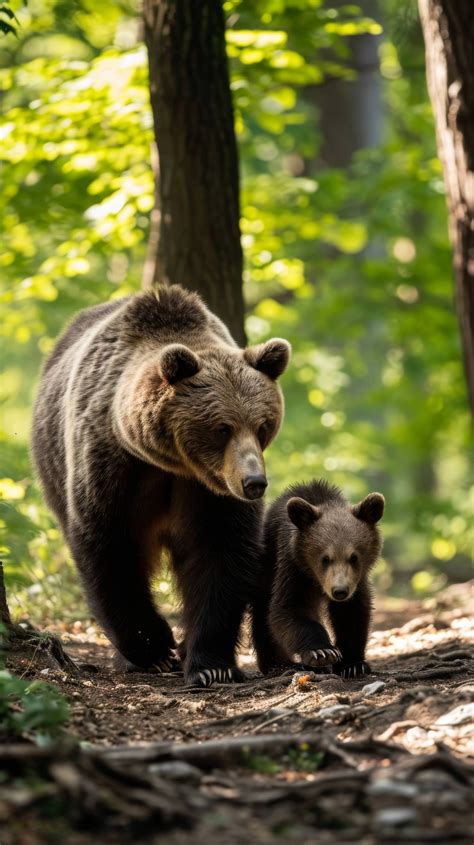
column 345, row 239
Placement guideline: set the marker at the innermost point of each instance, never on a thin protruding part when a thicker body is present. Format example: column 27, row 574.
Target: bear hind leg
column 118, row 592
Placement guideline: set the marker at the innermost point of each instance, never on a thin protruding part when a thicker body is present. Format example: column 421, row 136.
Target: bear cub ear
column 178, row 362
column 370, row 509
column 271, row 358
column 301, row 513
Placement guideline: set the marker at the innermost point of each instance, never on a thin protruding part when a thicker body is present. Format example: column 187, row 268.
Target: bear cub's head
column 337, row 543
column 223, row 407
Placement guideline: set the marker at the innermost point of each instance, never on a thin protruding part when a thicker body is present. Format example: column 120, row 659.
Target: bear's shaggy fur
column 149, row 427
column 318, row 552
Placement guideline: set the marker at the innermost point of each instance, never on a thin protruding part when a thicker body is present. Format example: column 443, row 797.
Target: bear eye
column 262, row 434
column 325, row 560
column 353, row 558
column 265, row 432
column 224, row 431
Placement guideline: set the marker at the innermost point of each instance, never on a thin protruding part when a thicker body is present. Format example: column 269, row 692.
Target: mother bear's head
column 208, row 414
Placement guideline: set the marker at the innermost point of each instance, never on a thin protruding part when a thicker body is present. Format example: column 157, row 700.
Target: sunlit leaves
column 354, row 268
column 109, row 186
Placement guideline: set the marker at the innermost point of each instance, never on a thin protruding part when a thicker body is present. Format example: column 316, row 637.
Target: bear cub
column 318, row 552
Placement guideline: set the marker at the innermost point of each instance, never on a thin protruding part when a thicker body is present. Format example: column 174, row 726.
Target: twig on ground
column 395, row 727
column 437, row 671
column 277, row 718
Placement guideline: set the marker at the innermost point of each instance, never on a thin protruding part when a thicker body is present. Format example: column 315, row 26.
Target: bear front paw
column 221, row 675
column 321, row 657
column 352, row 670
column 170, row 664
column 165, row 665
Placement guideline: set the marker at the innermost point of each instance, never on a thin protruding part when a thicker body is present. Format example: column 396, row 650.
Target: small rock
column 45, row 671
column 397, row 788
column 394, row 817
column 459, row 716
column 176, row 770
column 371, row 689
column 335, row 710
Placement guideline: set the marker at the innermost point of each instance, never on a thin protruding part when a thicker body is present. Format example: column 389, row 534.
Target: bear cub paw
column 221, row 675
column 352, row 670
column 321, row 657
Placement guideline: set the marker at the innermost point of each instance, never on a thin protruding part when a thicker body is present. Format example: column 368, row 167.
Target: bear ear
column 370, row 509
column 178, row 362
column 271, row 358
column 301, row 513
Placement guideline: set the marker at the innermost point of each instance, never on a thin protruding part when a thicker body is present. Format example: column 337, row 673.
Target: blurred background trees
column 346, row 253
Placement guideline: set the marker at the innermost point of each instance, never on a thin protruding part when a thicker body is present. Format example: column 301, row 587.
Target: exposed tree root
column 439, row 670
column 26, row 636
column 128, row 788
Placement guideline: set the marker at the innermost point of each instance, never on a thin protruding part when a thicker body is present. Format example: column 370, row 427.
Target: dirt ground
column 298, row 758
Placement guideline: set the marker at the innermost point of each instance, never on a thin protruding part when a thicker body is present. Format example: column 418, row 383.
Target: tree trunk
column 5, row 617
column 351, row 111
column 198, row 185
column 448, row 29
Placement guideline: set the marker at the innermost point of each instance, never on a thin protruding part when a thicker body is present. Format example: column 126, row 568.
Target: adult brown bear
column 149, row 428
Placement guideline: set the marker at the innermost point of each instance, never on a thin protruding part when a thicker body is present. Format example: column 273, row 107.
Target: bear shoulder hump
column 169, row 310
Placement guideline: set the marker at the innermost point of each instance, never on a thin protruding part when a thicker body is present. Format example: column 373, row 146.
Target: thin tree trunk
column 448, row 29
column 198, row 187
column 5, row 617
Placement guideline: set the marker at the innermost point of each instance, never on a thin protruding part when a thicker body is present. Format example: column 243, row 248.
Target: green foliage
column 303, row 759
column 8, row 19
column 353, row 266
column 30, row 708
column 261, row 764
column 300, row 759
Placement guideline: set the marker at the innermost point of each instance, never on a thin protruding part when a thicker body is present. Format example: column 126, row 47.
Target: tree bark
column 197, row 209
column 448, row 29
column 5, row 617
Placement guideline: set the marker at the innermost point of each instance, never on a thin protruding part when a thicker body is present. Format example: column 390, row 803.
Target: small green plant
column 303, row 759
column 261, row 764
column 300, row 759
column 30, row 707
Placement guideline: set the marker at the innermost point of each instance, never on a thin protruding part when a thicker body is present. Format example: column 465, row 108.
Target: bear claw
column 222, row 675
column 170, row 664
column 352, row 670
column 321, row 656
column 165, row 665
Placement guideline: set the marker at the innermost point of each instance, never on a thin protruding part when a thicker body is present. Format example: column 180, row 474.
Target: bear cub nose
column 254, row 486
column 340, row 593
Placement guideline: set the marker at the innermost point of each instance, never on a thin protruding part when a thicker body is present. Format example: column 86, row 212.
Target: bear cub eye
column 354, row 558
column 325, row 560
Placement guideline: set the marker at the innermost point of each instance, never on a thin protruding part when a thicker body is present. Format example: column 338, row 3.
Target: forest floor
column 298, row 758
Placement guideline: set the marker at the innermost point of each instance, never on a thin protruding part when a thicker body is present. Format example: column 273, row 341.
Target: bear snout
column 340, row 593
column 254, row 486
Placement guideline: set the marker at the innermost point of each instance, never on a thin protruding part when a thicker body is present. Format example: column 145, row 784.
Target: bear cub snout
column 318, row 553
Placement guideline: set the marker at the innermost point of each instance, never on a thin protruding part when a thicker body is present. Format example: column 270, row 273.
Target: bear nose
column 254, row 486
column 340, row 593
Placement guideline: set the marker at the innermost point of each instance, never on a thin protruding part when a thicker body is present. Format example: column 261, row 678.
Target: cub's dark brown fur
column 149, row 428
column 318, row 552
